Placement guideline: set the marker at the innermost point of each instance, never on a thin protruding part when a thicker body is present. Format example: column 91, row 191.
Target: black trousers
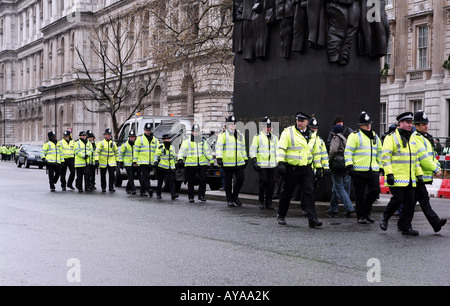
column 364, row 202
column 69, row 163
column 54, row 171
column 82, row 173
column 111, row 177
column 232, row 192
column 91, row 176
column 161, row 174
column 144, row 178
column 304, row 177
column 191, row 174
column 424, row 201
column 405, row 195
column 131, row 172
column 266, row 184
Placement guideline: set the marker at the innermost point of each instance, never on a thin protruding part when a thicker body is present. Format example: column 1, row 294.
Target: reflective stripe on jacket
column 232, row 152
column 67, row 148
column 106, row 153
column 264, row 150
column 144, row 152
column 400, row 160
column 165, row 157
column 427, row 157
column 362, row 152
column 52, row 152
column 196, row 153
column 294, row 149
column 126, row 154
column 80, row 149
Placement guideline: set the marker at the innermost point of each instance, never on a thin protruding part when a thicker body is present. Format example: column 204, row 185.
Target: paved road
column 117, row 239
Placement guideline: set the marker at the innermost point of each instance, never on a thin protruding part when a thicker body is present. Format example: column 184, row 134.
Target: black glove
column 319, row 172
column 390, row 179
column 156, row 163
column 350, row 170
column 180, row 163
column 220, row 162
column 86, row 156
column 43, row 159
column 97, row 163
column 255, row 164
column 326, row 172
column 246, row 162
column 121, row 165
column 419, row 179
column 381, row 171
column 281, row 168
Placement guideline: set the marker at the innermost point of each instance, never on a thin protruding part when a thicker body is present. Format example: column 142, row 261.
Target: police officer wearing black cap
column 430, row 166
column 402, row 173
column 69, row 161
column 83, row 151
column 51, row 153
column 295, row 162
column 91, row 166
column 232, row 156
column 106, row 156
column 126, row 154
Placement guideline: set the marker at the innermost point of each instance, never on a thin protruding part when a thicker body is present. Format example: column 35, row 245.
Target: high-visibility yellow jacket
column 67, row 148
column 144, row 152
column 321, row 158
column 264, row 150
column 81, row 149
column 232, row 152
column 427, row 157
column 52, row 152
column 165, row 157
column 362, row 152
column 196, row 153
column 126, row 153
column 106, row 153
column 400, row 160
column 294, row 149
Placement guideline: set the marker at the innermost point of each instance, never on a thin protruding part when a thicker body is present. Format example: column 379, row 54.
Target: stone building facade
column 415, row 78
column 38, row 92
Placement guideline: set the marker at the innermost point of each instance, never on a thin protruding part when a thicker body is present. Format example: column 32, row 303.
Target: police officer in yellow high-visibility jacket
column 52, row 154
column 165, row 162
column 195, row 155
column 82, row 148
column 126, row 155
column 69, row 161
column 231, row 154
column 402, row 172
column 263, row 153
column 144, row 154
column 430, row 166
column 106, row 156
column 362, row 160
column 296, row 160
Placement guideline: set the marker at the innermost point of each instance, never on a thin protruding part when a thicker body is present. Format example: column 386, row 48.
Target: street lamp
column 230, row 106
column 43, row 88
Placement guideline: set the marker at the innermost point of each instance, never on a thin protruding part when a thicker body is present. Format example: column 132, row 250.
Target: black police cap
column 302, row 116
column 405, row 116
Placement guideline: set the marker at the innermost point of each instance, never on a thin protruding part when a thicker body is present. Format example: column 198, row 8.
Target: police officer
column 195, row 156
column 362, row 160
column 232, row 156
column 126, row 159
column 165, row 158
column 69, row 161
column 263, row 153
column 91, row 162
column 430, row 166
column 402, row 172
column 83, row 151
column 52, row 154
column 106, row 155
column 144, row 155
column 295, row 158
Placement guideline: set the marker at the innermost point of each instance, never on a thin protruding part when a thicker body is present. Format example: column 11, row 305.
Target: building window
column 422, row 47
column 383, row 127
column 416, row 105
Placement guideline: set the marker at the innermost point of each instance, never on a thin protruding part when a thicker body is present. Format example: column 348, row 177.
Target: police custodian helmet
column 108, row 131
column 420, row 117
column 364, row 118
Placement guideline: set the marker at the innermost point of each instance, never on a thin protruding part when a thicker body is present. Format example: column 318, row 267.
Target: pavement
column 219, row 195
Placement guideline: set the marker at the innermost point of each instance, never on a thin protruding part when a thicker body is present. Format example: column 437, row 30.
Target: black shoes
column 349, row 213
column 361, row 221
column 281, row 220
column 52, row 190
column 202, row 198
column 230, row 204
column 383, row 224
column 410, row 232
column 133, row 192
column 112, row 190
column 191, row 200
column 440, row 224
column 71, row 187
column 175, row 196
column 158, row 196
column 103, row 190
column 80, row 190
column 261, row 205
column 269, row 206
column 63, row 189
column 144, row 194
column 314, row 223
column 370, row 219
column 237, row 202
